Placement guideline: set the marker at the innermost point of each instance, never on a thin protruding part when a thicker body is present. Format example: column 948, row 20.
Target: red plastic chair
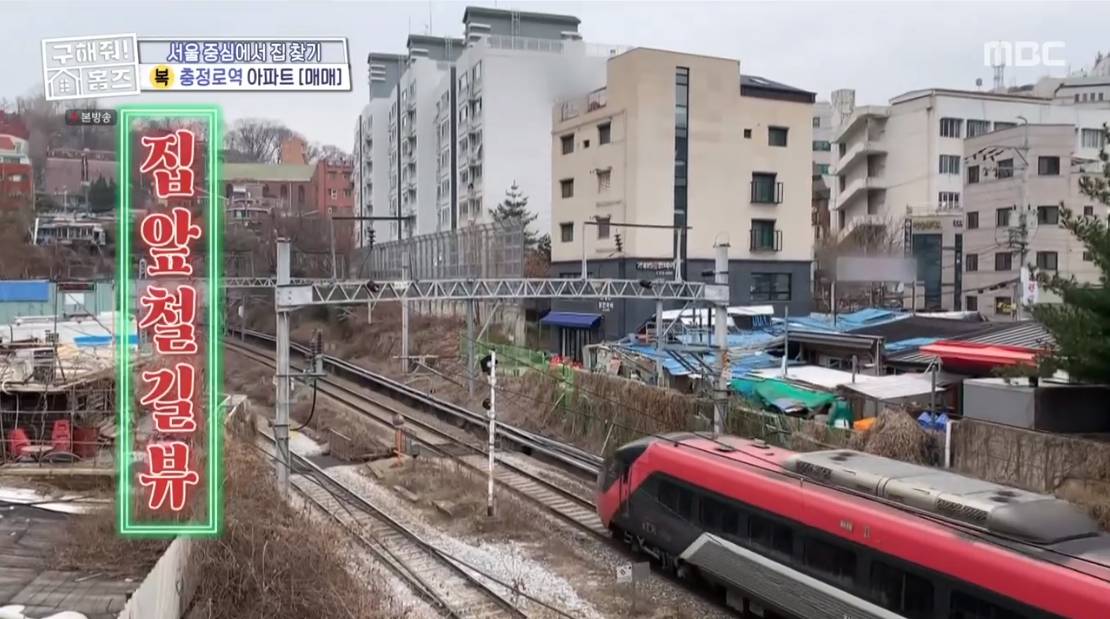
column 18, row 442
column 61, row 437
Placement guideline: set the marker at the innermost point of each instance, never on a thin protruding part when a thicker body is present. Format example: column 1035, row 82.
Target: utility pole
column 659, row 380
column 281, row 413
column 492, row 427
column 1023, row 227
column 720, row 276
column 405, row 316
column 470, row 346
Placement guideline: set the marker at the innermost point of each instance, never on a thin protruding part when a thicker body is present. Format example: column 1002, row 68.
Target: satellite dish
column 978, row 82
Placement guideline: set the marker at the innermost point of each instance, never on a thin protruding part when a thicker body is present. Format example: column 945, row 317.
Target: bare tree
column 873, row 239
column 316, row 151
column 257, row 139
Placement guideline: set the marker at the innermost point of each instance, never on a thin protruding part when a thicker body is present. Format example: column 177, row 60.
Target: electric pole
column 281, row 412
column 489, row 366
column 1022, row 237
column 720, row 411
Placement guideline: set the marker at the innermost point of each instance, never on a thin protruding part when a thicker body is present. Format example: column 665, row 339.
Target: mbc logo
column 1023, row 53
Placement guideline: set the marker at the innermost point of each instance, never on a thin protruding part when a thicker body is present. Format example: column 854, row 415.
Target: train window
column 894, row 589
column 771, row 535
column 718, row 517
column 833, row 561
column 668, row 495
column 685, row 503
column 967, row 606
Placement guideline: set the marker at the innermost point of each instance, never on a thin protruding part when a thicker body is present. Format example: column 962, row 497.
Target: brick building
column 332, row 187
column 16, row 173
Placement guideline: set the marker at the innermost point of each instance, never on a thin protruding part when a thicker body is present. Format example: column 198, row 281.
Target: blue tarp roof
column 909, row 344
column 24, row 291
column 851, row 321
column 740, row 365
column 574, row 320
column 743, row 339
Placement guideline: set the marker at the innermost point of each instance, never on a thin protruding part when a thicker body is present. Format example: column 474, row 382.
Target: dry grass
column 897, row 435
column 92, row 544
column 465, row 491
column 274, row 561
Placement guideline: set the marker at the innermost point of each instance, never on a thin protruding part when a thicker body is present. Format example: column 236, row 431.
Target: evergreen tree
column 1080, row 323
column 102, row 195
column 514, row 209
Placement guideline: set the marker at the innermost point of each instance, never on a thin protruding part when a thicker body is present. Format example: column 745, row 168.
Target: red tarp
column 985, row 355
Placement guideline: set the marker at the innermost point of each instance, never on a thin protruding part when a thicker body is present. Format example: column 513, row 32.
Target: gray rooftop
column 1029, row 333
column 27, row 535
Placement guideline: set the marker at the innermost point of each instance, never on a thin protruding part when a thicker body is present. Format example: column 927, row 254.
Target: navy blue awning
column 574, row 320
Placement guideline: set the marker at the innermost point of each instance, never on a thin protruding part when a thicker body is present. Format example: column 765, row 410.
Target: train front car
column 614, row 481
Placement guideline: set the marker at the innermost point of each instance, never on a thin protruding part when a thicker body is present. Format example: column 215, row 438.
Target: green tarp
column 768, row 391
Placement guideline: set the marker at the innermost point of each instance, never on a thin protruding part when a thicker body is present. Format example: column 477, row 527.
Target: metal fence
column 475, row 252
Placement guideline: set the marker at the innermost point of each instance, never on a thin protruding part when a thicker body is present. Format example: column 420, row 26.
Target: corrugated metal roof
column 1030, row 334
column 275, row 172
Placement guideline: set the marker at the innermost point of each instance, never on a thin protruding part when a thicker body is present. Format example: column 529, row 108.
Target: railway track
column 457, row 590
column 447, row 441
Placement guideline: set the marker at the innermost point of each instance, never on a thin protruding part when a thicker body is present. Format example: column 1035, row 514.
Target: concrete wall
column 166, row 591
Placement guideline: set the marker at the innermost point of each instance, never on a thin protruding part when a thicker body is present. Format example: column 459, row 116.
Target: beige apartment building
column 1035, row 165
column 675, row 139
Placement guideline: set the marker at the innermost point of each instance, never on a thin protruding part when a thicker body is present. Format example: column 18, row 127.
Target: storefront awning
column 573, row 320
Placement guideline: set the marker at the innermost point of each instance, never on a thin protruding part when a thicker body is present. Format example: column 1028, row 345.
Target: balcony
column 765, row 240
column 863, row 114
column 860, row 187
column 860, row 150
column 766, row 193
column 577, row 106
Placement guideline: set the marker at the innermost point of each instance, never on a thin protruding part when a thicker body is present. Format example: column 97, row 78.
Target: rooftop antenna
column 999, row 76
column 429, row 17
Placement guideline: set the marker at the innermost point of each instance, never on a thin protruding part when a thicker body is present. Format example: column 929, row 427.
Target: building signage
column 103, row 66
column 169, row 471
column 926, row 224
column 656, row 266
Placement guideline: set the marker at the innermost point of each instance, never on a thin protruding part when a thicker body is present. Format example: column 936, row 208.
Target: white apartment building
column 468, row 117
column 822, row 167
column 1040, row 166
column 372, row 176
column 901, row 165
column 678, row 139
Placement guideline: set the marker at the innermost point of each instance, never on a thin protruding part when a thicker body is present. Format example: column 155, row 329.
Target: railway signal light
column 486, row 364
column 619, row 242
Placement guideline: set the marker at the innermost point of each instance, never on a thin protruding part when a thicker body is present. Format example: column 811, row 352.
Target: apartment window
column 948, row 199
column 1092, row 138
column 604, row 135
column 971, row 263
column 1002, row 217
column 566, row 186
column 1001, row 306
column 820, row 169
column 603, row 227
column 764, row 235
column 1048, row 215
column 718, row 517
column 978, row 127
column 1047, row 260
column 1003, row 261
column 1005, row 168
column 603, row 180
column 971, row 303
column 1088, row 211
column 776, row 136
column 951, row 127
column 972, row 220
column 765, row 189
column 816, row 121
column 999, row 126
column 972, row 174
column 333, row 194
column 748, row 133
column 822, row 145
column 907, row 594
column 566, row 232
column 949, row 164
column 568, row 144
column 1048, row 166
column 585, row 143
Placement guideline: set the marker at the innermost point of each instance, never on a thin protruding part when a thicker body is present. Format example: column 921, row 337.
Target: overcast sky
column 880, row 49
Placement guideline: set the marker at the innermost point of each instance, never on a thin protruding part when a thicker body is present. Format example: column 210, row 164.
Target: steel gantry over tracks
column 300, row 292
